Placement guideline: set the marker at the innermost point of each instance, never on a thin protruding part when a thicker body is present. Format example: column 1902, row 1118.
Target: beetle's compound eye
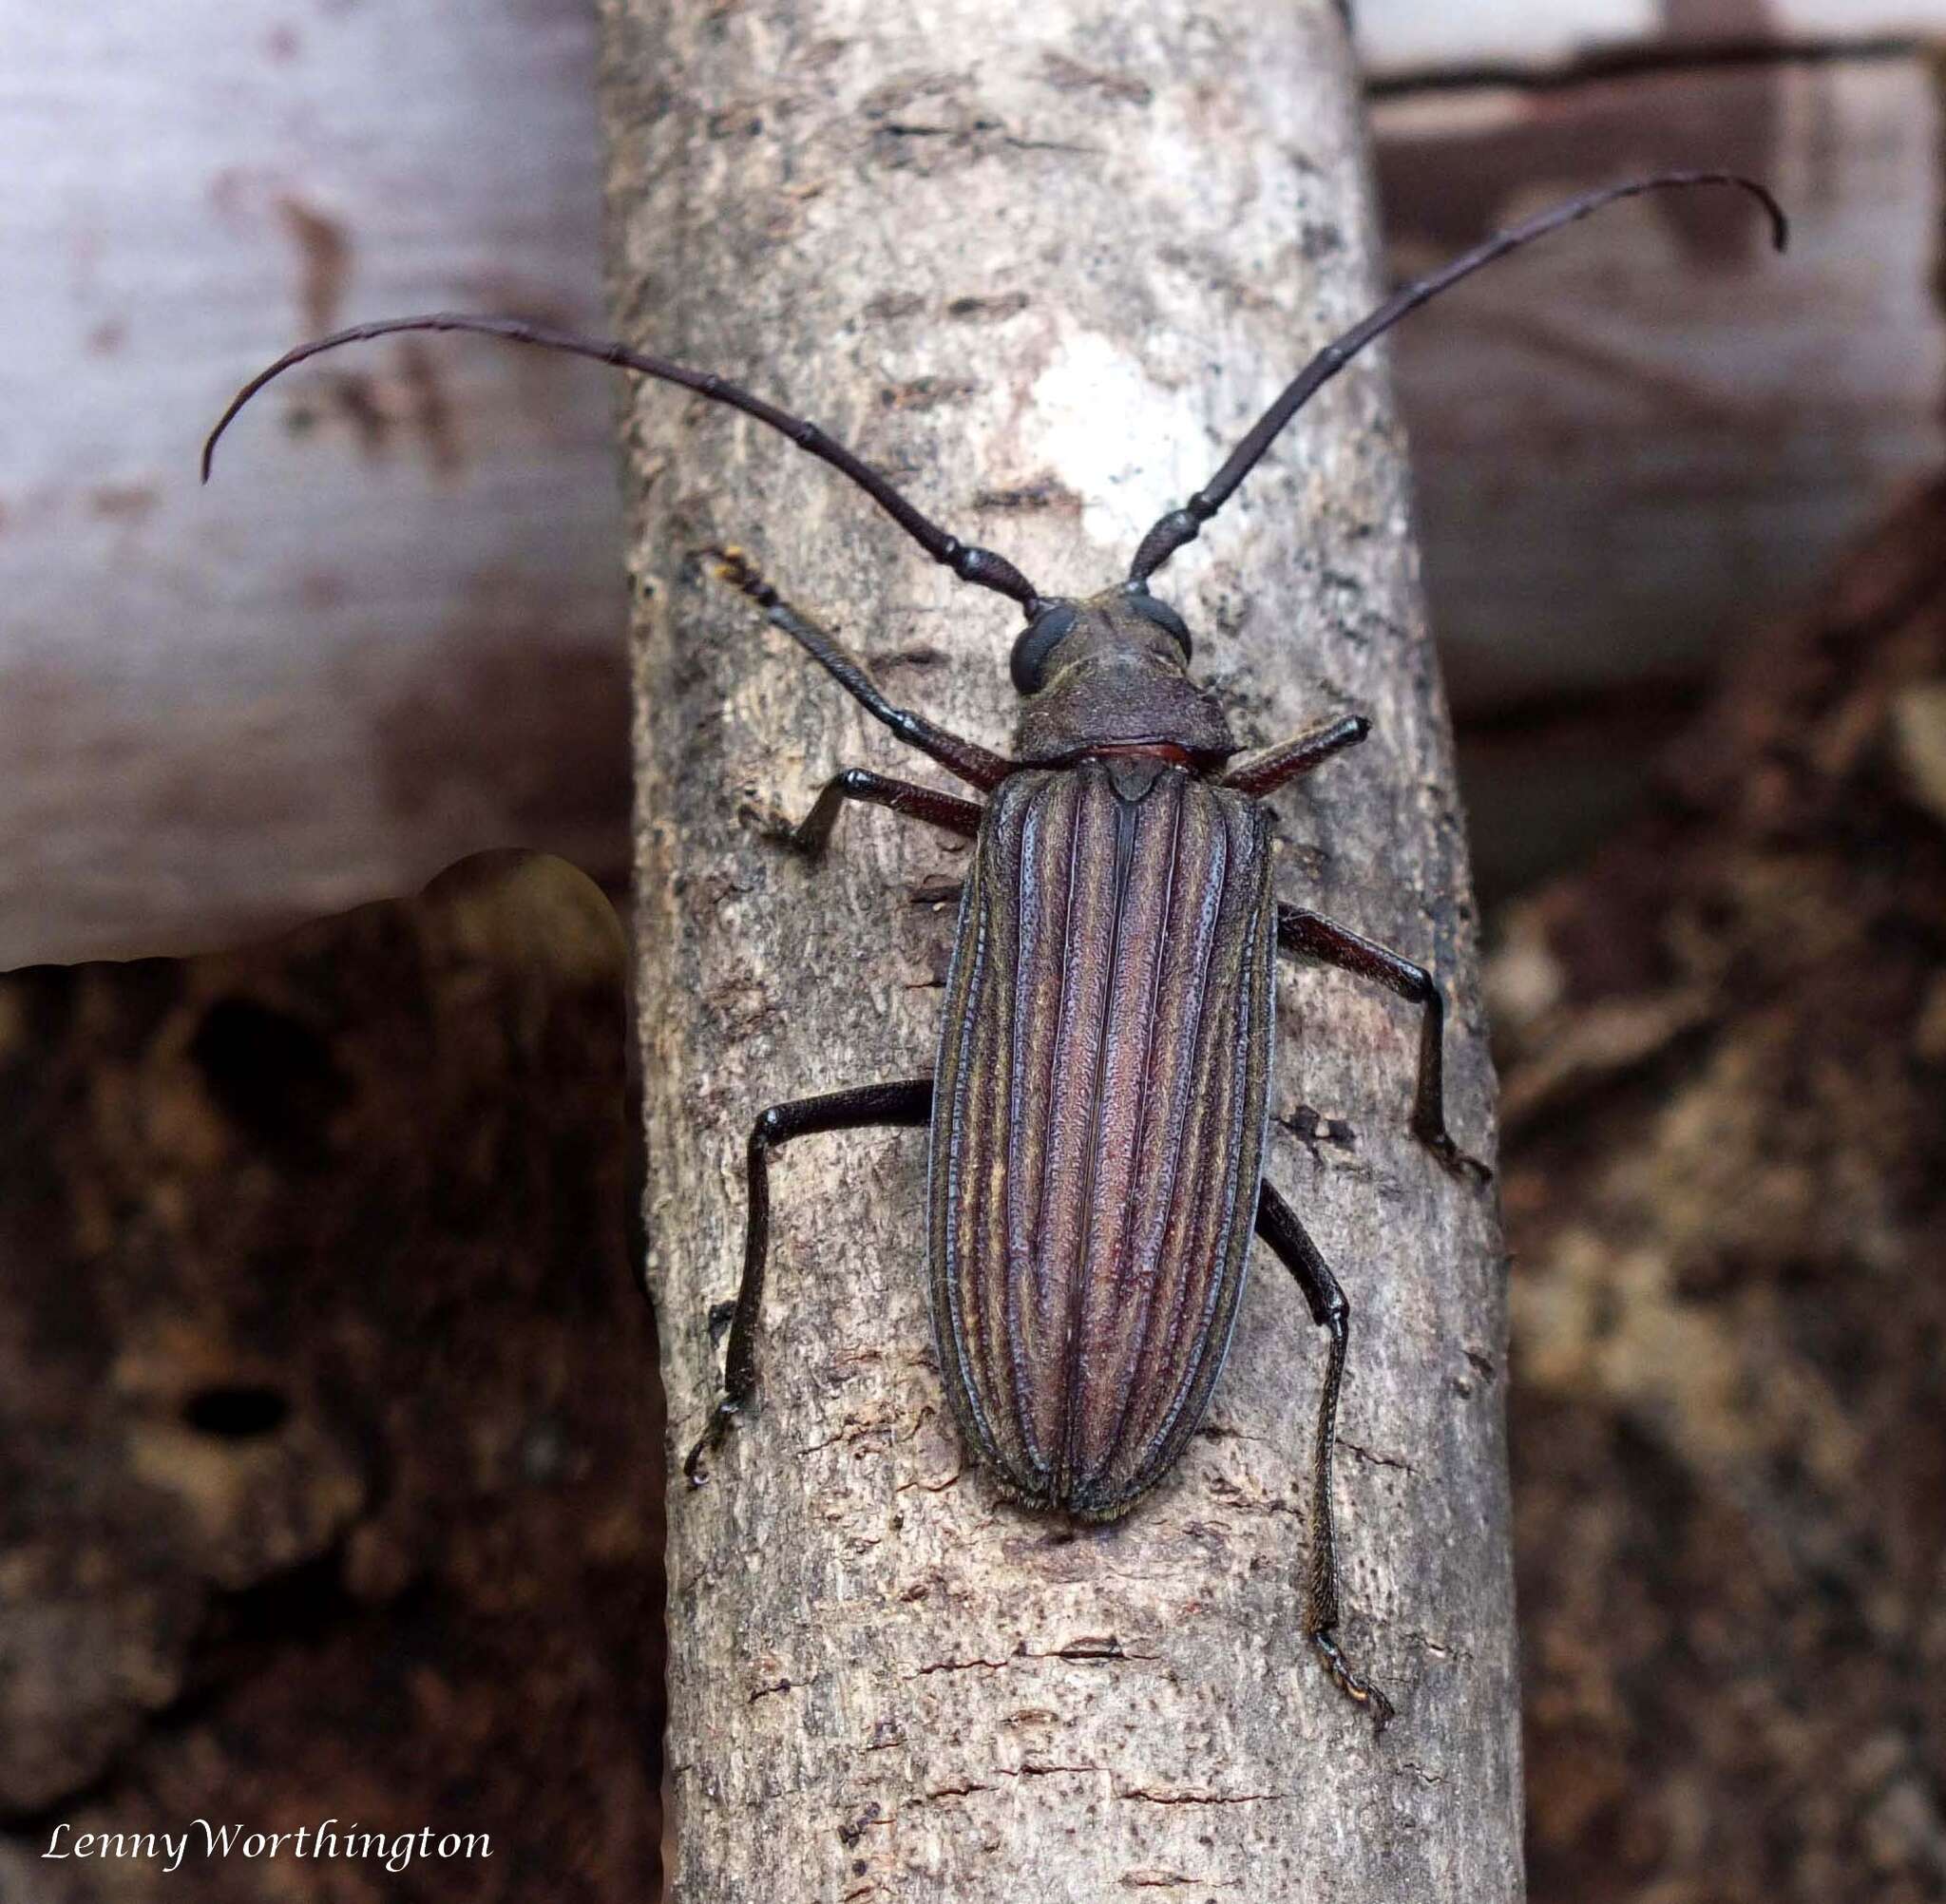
column 1039, row 640
column 1164, row 617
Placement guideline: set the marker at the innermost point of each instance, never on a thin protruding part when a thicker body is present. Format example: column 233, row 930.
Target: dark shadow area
column 331, row 1446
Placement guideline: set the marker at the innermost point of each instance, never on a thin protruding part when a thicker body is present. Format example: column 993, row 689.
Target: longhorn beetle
column 1099, row 1104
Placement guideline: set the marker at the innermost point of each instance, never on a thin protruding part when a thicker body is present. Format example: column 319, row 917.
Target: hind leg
column 1278, row 1226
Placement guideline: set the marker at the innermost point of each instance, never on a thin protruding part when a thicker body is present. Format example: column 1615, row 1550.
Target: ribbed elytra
column 1097, row 1109
column 1097, row 1136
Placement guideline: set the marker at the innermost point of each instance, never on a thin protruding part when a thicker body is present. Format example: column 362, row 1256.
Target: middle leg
column 902, row 1104
column 812, row 833
column 1312, row 936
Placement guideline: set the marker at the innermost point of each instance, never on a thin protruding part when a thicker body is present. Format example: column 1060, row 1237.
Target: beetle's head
column 1112, row 672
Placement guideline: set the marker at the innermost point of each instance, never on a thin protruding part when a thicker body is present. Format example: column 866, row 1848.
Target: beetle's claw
column 771, row 824
column 1455, row 1161
column 778, row 828
column 733, row 566
column 1352, row 1683
column 725, row 1412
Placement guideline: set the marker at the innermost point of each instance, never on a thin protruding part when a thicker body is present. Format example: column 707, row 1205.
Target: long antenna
column 980, row 567
column 1181, row 526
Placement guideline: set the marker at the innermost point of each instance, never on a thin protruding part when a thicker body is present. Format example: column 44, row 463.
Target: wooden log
column 1399, row 39
column 1634, row 443
column 1043, row 271
column 388, row 633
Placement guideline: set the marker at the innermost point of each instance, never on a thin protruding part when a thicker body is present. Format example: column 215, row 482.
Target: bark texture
column 1044, row 269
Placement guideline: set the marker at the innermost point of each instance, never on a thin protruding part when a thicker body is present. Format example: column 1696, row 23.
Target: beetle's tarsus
column 722, row 1316
column 805, row 838
column 725, row 1412
column 775, row 827
column 1352, row 1683
column 802, row 838
column 733, row 566
column 1459, row 1163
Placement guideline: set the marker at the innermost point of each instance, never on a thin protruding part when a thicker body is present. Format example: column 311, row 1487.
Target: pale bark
column 1044, row 268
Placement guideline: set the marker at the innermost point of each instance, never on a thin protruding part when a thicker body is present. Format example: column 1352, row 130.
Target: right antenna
column 1181, row 526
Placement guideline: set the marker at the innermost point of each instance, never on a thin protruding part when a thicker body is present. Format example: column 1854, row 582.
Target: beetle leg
column 973, row 763
column 1265, row 773
column 812, row 833
column 1311, row 937
column 1278, row 1226
column 902, row 1104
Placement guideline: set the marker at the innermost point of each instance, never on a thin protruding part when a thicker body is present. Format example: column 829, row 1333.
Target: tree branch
column 1042, row 270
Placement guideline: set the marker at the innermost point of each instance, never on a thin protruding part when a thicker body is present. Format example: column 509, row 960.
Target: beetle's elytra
column 1098, row 1105
column 1104, row 1078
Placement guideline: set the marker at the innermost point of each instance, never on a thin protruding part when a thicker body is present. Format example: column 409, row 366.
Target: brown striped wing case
column 1097, row 1132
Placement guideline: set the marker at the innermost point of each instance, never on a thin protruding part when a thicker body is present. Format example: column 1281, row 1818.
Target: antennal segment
column 980, row 567
column 1181, row 526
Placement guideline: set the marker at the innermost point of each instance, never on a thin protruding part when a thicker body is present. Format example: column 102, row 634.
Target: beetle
column 1099, row 1104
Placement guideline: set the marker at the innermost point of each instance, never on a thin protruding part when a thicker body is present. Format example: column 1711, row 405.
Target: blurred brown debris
column 329, row 1460
column 1725, row 1075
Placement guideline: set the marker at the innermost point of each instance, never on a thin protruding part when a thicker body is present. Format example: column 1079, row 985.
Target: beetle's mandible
column 1099, row 1106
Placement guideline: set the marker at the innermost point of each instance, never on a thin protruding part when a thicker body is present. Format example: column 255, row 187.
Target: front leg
column 900, row 1105
column 971, row 762
column 813, row 834
column 1263, row 773
column 1278, row 1226
column 1312, row 936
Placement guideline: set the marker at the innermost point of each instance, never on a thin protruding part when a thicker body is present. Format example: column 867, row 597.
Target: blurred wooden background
column 389, row 632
